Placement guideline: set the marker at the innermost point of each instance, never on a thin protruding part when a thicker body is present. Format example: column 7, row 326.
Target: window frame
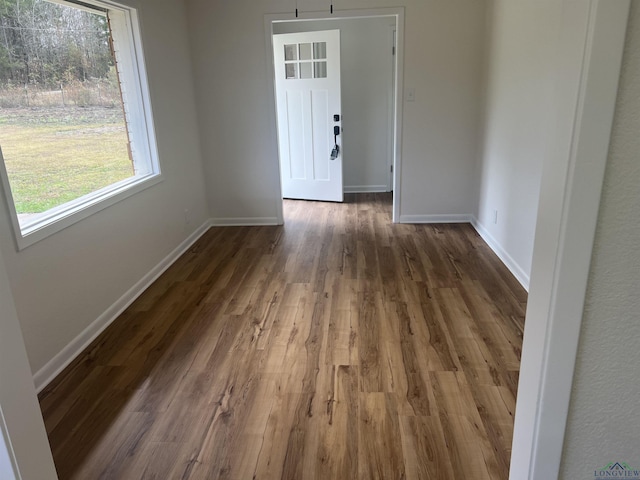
column 127, row 40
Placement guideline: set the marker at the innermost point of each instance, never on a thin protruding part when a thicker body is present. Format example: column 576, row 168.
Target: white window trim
column 135, row 93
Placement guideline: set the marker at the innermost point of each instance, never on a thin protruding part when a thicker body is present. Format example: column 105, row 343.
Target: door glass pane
column 291, row 52
column 305, row 51
column 291, row 70
column 320, row 69
column 320, row 50
column 306, row 70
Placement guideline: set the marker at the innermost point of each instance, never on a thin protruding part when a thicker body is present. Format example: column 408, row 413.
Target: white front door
column 307, row 69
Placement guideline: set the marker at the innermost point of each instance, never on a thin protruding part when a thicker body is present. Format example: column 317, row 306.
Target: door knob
column 336, row 148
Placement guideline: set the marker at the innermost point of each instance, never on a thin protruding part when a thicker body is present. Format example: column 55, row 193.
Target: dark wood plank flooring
column 339, row 346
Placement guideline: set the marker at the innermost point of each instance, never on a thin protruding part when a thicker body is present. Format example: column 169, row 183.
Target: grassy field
column 54, row 155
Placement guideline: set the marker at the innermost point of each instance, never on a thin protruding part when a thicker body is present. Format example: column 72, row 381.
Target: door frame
column 398, row 14
column 392, row 106
column 588, row 66
column 21, row 425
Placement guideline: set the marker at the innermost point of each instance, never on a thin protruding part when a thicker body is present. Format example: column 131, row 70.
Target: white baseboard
column 58, row 363
column 244, row 222
column 365, row 188
column 435, row 218
column 502, row 254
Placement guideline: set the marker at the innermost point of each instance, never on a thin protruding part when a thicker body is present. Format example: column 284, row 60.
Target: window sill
column 59, row 218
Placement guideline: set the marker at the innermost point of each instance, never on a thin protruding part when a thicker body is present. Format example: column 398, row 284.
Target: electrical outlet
column 187, row 216
column 495, row 216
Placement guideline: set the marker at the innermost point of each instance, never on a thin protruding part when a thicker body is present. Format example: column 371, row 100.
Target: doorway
column 369, row 117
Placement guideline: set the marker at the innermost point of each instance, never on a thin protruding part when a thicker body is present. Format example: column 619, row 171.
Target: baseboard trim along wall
column 244, row 222
column 365, row 189
column 435, row 218
column 58, row 363
column 502, row 254
column 497, row 248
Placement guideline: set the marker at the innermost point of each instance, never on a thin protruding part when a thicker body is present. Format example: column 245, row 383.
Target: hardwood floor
column 339, row 346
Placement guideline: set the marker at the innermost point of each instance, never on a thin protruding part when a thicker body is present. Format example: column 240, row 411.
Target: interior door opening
column 365, row 118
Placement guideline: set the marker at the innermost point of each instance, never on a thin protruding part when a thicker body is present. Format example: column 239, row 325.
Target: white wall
column 20, row 416
column 367, row 82
column 443, row 59
column 65, row 282
column 603, row 422
column 519, row 115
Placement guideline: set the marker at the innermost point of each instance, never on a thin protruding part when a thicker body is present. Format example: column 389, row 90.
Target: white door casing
column 25, row 449
column 307, row 80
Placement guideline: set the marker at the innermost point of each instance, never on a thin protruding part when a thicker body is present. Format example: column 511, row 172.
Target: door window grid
column 305, row 60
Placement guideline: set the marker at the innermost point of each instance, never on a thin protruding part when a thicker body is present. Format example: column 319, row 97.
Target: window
column 76, row 132
column 305, row 60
